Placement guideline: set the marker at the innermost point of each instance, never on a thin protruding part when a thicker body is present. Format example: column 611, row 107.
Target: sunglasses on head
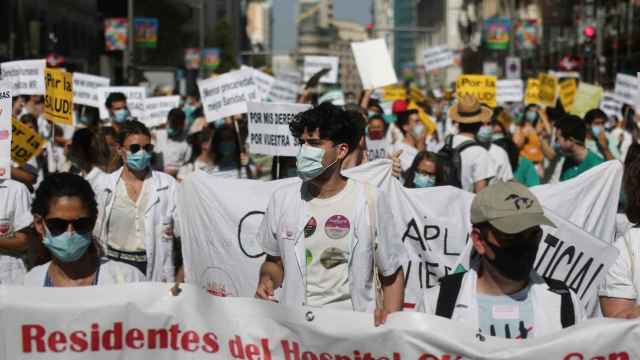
column 59, row 226
column 134, row 148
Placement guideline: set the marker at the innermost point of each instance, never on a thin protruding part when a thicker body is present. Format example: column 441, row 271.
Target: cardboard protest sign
column 437, row 57
column 157, row 108
column 627, row 88
column 25, row 143
column 135, row 99
column 227, row 94
column 264, row 82
column 374, row 63
column 509, row 91
column 85, row 89
column 548, row 90
column 58, row 101
column 269, row 132
column 568, row 90
column 26, row 76
column 283, row 92
column 5, row 129
column 532, row 95
column 587, row 98
column 313, row 64
column 481, row 86
column 611, row 104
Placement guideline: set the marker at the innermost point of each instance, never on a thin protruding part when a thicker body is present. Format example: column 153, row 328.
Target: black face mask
column 516, row 261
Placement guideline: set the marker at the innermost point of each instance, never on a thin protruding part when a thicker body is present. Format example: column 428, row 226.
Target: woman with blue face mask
column 137, row 208
column 424, row 171
column 65, row 211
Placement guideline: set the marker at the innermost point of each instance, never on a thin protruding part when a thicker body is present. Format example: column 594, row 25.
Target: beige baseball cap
column 509, row 207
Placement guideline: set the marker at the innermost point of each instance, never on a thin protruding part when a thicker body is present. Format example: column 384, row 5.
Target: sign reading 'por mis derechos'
column 269, row 132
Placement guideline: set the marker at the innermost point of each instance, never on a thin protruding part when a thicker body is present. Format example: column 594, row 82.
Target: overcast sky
column 285, row 13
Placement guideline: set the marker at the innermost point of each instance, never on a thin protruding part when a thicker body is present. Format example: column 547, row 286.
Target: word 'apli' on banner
column 269, row 132
column 481, row 86
column 58, row 100
column 25, row 143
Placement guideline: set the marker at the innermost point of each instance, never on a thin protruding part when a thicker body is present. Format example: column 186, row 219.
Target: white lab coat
column 282, row 234
column 159, row 215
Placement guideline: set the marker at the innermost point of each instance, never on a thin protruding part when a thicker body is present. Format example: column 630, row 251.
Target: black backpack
column 450, row 163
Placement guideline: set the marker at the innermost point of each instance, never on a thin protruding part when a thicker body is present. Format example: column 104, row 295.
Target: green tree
column 222, row 40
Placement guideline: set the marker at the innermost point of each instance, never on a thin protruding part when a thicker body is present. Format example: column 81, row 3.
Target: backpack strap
column 465, row 145
column 449, row 290
column 567, row 312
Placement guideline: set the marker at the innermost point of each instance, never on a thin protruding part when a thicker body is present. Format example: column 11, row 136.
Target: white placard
column 437, row 57
column 135, row 99
column 509, row 91
column 227, row 94
column 611, row 104
column 627, row 88
column 5, row 129
column 374, row 63
column 85, row 89
column 313, row 64
column 283, row 92
column 264, row 82
column 157, row 108
column 269, row 132
column 26, row 76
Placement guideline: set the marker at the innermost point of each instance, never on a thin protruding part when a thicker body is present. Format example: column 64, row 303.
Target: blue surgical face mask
column 188, row 112
column 424, row 181
column 83, row 119
column 138, row 161
column 596, row 131
column 531, row 116
column 309, row 162
column 417, row 129
column 68, row 246
column 121, row 115
column 485, row 134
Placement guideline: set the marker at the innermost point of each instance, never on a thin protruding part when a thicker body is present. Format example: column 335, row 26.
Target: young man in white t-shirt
column 319, row 235
column 477, row 166
column 413, row 137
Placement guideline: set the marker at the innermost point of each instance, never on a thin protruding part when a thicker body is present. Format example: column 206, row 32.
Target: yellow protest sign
column 548, row 90
column 481, row 86
column 587, row 97
column 568, row 92
column 399, row 92
column 58, row 100
column 25, row 143
column 532, row 95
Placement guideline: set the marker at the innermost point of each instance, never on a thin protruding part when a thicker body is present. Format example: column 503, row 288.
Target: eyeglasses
column 134, row 148
column 58, row 226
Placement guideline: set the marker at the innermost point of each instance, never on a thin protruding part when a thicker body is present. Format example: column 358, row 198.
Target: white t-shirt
column 476, row 164
column 175, row 153
column 15, row 215
column 327, row 237
column 504, row 172
column 126, row 221
column 623, row 279
column 111, row 273
column 93, row 175
column 408, row 154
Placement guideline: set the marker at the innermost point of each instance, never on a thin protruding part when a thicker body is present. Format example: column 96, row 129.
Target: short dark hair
column 593, row 114
column 60, row 185
column 334, row 123
column 403, row 118
column 573, row 127
column 175, row 116
column 81, row 150
column 113, row 97
column 469, row 128
column 132, row 127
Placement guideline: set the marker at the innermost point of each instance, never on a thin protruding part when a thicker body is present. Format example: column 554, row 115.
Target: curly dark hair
column 60, row 185
column 631, row 183
column 335, row 124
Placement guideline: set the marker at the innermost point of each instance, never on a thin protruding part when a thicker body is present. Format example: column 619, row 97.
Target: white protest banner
column 85, row 88
column 264, row 82
column 509, row 91
column 437, row 57
column 157, row 108
column 135, row 99
column 627, row 88
column 144, row 321
column 374, row 63
column 611, row 104
column 227, row 94
column 376, row 149
column 283, row 92
column 313, row 64
column 5, row 129
column 26, row 76
column 290, row 76
column 269, row 132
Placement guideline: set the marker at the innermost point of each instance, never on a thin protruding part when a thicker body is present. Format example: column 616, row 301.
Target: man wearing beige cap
column 501, row 294
column 476, row 164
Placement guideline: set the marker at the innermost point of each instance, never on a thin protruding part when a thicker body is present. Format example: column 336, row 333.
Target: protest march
column 339, row 202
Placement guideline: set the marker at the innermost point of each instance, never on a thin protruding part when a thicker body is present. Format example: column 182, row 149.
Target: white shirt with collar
column 282, row 234
column 476, row 164
column 160, row 218
column 15, row 215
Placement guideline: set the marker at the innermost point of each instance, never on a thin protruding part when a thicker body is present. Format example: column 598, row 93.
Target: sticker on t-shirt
column 310, row 228
column 337, row 227
column 308, row 256
column 5, row 227
column 332, row 257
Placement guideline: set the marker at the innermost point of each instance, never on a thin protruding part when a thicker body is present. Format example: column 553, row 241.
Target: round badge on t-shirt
column 337, row 227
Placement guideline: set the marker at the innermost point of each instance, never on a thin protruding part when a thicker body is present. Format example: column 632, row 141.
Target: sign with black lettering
column 135, row 99
column 26, row 76
column 25, row 143
column 85, row 89
column 481, row 86
column 157, row 108
column 5, row 129
column 228, row 94
column 58, row 101
column 269, row 128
